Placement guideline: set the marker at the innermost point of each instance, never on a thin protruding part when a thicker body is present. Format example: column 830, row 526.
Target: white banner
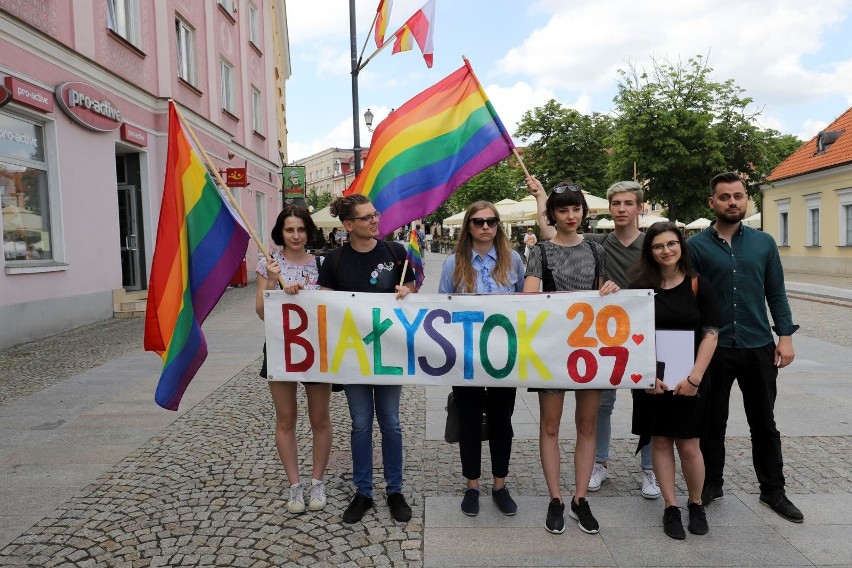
column 572, row 340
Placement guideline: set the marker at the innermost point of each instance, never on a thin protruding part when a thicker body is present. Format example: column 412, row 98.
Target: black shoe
column 711, row 493
column 781, row 505
column 356, row 509
column 555, row 522
column 504, row 501
column 470, row 502
column 672, row 524
column 399, row 509
column 697, row 519
column 581, row 513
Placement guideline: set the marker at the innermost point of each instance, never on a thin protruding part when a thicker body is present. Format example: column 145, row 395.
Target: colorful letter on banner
column 569, row 340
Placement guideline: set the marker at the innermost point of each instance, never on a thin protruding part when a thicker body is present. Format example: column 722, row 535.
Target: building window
column 228, row 5
column 256, row 111
column 812, row 203
column 227, row 71
column 24, row 192
column 254, row 24
column 783, row 222
column 844, row 199
column 185, row 51
column 123, row 18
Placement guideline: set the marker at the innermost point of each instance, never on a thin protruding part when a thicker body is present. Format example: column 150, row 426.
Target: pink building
column 84, row 88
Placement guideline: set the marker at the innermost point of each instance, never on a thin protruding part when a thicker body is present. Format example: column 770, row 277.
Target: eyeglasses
column 478, row 222
column 368, row 218
column 563, row 187
column 671, row 245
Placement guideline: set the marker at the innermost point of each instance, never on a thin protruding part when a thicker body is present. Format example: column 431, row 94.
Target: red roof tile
column 804, row 160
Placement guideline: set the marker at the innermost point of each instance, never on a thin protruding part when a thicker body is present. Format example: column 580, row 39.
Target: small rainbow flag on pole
column 200, row 244
column 428, row 147
column 415, row 258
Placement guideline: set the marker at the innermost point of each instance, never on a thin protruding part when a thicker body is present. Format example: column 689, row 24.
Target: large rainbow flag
column 200, row 244
column 428, row 147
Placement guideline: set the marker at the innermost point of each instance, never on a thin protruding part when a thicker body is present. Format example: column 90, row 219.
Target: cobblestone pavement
column 209, row 490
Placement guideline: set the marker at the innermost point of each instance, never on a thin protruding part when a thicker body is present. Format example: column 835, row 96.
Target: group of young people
column 710, row 287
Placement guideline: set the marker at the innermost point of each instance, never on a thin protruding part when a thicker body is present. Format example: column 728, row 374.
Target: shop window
column 24, row 191
column 123, row 18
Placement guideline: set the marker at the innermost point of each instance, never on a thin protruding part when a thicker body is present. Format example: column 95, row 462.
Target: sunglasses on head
column 490, row 221
column 563, row 187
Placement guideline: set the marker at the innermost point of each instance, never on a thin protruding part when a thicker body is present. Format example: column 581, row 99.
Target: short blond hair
column 623, row 187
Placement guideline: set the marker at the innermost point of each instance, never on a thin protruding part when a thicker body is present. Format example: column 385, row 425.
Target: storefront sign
column 88, row 106
column 576, row 340
column 236, row 177
column 30, row 95
column 5, row 95
column 134, row 135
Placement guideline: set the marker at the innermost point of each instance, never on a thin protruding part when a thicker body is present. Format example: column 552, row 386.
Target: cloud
column 340, row 136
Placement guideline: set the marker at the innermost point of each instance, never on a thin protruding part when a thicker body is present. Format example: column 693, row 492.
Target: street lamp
column 368, row 120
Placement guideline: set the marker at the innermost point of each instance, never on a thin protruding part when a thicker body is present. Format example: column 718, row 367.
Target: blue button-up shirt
column 747, row 276
column 484, row 266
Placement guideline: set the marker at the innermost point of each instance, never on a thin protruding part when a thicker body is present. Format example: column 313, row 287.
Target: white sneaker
column 317, row 500
column 296, row 504
column 599, row 473
column 650, row 489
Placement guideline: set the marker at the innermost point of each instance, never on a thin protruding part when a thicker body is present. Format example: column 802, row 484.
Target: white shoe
column 317, row 500
column 599, row 473
column 296, row 504
column 650, row 489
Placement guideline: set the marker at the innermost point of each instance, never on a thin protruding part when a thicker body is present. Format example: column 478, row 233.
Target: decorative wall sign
column 88, row 106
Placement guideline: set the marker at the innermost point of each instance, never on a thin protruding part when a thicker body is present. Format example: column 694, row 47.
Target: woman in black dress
column 674, row 413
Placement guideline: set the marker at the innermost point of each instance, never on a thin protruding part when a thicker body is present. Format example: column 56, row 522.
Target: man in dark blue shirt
column 746, row 272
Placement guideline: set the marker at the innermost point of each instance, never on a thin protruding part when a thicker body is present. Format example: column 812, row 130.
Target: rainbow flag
column 415, row 259
column 200, row 244
column 382, row 17
column 428, row 147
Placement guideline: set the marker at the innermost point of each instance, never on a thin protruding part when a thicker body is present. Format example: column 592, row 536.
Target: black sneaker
column 697, row 518
column 581, row 513
column 781, row 505
column 672, row 524
column 555, row 522
column 504, row 501
column 711, row 493
column 356, row 509
column 399, row 509
column 470, row 502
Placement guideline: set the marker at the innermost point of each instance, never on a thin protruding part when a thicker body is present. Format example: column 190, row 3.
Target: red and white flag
column 382, row 17
column 419, row 28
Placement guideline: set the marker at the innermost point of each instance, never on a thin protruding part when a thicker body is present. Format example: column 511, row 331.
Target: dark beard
column 731, row 218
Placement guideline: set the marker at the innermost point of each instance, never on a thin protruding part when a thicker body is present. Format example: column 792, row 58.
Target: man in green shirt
column 623, row 247
column 746, row 272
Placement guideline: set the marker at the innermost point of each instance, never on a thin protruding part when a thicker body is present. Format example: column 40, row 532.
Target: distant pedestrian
column 530, row 241
column 484, row 263
column 668, row 416
column 745, row 268
column 300, row 270
column 367, row 264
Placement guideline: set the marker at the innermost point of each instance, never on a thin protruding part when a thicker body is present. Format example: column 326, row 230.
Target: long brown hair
column 464, row 276
column 646, row 272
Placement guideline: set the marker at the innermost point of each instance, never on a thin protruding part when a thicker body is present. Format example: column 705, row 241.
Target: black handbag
column 452, row 429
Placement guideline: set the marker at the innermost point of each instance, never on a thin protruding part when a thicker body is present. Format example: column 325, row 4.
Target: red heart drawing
column 638, row 338
column 636, row 377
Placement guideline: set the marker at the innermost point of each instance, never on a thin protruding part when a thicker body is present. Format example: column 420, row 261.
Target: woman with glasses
column 484, row 263
column 293, row 229
column 567, row 263
column 368, row 264
column 677, row 415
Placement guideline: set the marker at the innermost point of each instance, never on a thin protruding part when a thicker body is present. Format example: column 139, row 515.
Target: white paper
column 676, row 349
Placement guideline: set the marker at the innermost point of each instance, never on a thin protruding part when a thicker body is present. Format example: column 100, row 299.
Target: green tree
column 564, row 144
column 677, row 127
column 317, row 200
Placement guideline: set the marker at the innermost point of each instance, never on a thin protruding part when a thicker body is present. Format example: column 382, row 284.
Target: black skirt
column 671, row 415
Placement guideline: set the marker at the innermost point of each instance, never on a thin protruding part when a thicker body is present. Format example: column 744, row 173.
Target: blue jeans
column 364, row 402
column 604, row 431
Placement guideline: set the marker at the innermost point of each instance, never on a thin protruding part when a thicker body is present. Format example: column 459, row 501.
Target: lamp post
column 368, row 120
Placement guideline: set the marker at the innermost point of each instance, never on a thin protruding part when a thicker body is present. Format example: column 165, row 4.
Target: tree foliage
column 566, row 144
column 500, row 181
column 318, row 200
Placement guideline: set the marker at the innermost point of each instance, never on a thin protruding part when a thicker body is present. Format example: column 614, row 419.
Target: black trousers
column 499, row 405
column 756, row 374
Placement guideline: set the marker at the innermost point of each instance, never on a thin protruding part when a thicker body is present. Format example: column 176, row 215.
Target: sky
column 793, row 57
